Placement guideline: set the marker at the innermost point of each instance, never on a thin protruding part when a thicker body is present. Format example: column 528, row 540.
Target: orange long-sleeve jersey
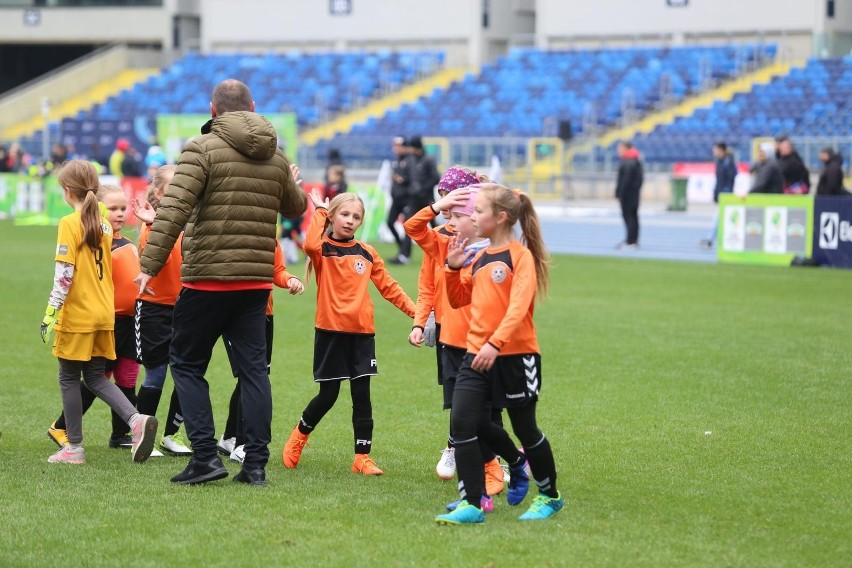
column 430, row 282
column 125, row 267
column 344, row 270
column 500, row 286
column 455, row 322
column 166, row 284
column 280, row 276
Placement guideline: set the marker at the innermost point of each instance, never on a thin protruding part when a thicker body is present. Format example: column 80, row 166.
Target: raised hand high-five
column 456, row 255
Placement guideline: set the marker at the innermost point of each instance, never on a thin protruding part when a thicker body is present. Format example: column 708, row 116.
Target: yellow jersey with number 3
column 89, row 305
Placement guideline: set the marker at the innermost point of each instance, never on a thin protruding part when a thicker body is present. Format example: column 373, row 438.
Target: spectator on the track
column 797, row 178
column 628, row 186
column 766, row 174
column 421, row 191
column 831, row 177
column 726, row 173
column 400, row 181
column 131, row 165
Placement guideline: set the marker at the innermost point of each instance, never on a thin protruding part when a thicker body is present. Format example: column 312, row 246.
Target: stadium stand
column 815, row 100
column 307, row 84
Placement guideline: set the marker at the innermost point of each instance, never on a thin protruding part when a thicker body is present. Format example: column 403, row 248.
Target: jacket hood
column 248, row 133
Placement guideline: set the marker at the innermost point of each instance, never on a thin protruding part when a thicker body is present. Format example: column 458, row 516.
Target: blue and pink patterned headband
column 455, row 178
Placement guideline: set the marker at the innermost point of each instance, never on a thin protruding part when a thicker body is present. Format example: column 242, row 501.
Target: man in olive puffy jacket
column 228, row 189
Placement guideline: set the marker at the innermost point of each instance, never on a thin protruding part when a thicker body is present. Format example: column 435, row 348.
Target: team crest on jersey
column 360, row 266
column 498, row 274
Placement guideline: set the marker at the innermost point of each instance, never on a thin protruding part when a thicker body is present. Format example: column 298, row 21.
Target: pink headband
column 467, row 208
column 454, row 178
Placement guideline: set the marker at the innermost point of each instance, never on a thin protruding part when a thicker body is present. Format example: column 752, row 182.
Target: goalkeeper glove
column 429, row 331
column 47, row 323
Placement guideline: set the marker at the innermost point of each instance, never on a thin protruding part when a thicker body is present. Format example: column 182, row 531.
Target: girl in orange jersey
column 154, row 312
column 124, row 369
column 431, row 289
column 81, row 307
column 503, row 362
column 344, row 343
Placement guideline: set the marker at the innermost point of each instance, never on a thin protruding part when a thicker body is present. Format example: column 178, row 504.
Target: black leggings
column 472, row 424
column 362, row 410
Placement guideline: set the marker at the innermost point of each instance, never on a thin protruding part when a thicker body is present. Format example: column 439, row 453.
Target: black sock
column 148, row 400
column 543, row 467
column 174, row 418
column 303, row 426
column 119, row 426
column 363, row 428
column 469, row 470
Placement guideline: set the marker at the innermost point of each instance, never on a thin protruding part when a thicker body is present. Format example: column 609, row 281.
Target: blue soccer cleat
column 486, row 504
column 464, row 514
column 543, row 507
column 519, row 484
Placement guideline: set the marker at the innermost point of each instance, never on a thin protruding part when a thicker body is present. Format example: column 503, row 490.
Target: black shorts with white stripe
column 343, row 356
column 513, row 381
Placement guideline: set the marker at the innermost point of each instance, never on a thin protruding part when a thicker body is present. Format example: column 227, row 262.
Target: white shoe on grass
column 446, row 468
column 175, row 445
column 239, row 454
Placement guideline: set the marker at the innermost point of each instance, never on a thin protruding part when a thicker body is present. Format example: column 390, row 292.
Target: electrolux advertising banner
column 765, row 229
column 174, row 130
column 832, row 232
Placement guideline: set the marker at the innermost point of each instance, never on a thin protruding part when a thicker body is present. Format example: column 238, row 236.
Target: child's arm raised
column 457, row 278
column 418, row 228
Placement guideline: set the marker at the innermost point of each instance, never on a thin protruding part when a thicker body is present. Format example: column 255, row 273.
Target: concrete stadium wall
column 455, row 26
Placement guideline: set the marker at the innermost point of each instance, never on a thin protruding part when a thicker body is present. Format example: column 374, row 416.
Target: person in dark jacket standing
column 831, row 177
column 228, row 189
column 421, row 191
column 726, row 173
column 400, row 182
column 627, row 189
column 797, row 178
column 766, row 174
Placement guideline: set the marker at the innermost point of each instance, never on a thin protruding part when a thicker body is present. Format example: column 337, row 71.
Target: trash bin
column 678, row 194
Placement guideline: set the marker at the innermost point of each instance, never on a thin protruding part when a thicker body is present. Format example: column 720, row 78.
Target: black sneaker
column 256, row 476
column 201, row 472
column 124, row 441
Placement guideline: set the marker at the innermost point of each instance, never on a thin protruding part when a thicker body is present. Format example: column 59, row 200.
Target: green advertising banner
column 173, row 131
column 766, row 229
column 8, row 193
column 374, row 212
column 32, row 200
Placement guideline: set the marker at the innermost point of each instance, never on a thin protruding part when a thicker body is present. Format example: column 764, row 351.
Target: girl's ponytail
column 80, row 179
column 531, row 231
column 93, row 229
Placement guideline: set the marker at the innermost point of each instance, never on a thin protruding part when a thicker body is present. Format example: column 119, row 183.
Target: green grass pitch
column 699, row 414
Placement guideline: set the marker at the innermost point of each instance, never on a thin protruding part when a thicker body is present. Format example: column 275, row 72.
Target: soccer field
column 699, row 415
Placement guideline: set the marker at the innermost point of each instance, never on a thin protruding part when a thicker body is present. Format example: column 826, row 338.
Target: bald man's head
column 231, row 95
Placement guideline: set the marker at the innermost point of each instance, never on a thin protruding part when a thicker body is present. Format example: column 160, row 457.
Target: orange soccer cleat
column 364, row 464
column 493, row 477
column 293, row 448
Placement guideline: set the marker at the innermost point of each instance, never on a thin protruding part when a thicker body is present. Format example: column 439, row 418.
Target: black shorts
column 513, row 381
column 125, row 339
column 343, row 356
column 270, row 327
column 153, row 333
column 451, row 361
